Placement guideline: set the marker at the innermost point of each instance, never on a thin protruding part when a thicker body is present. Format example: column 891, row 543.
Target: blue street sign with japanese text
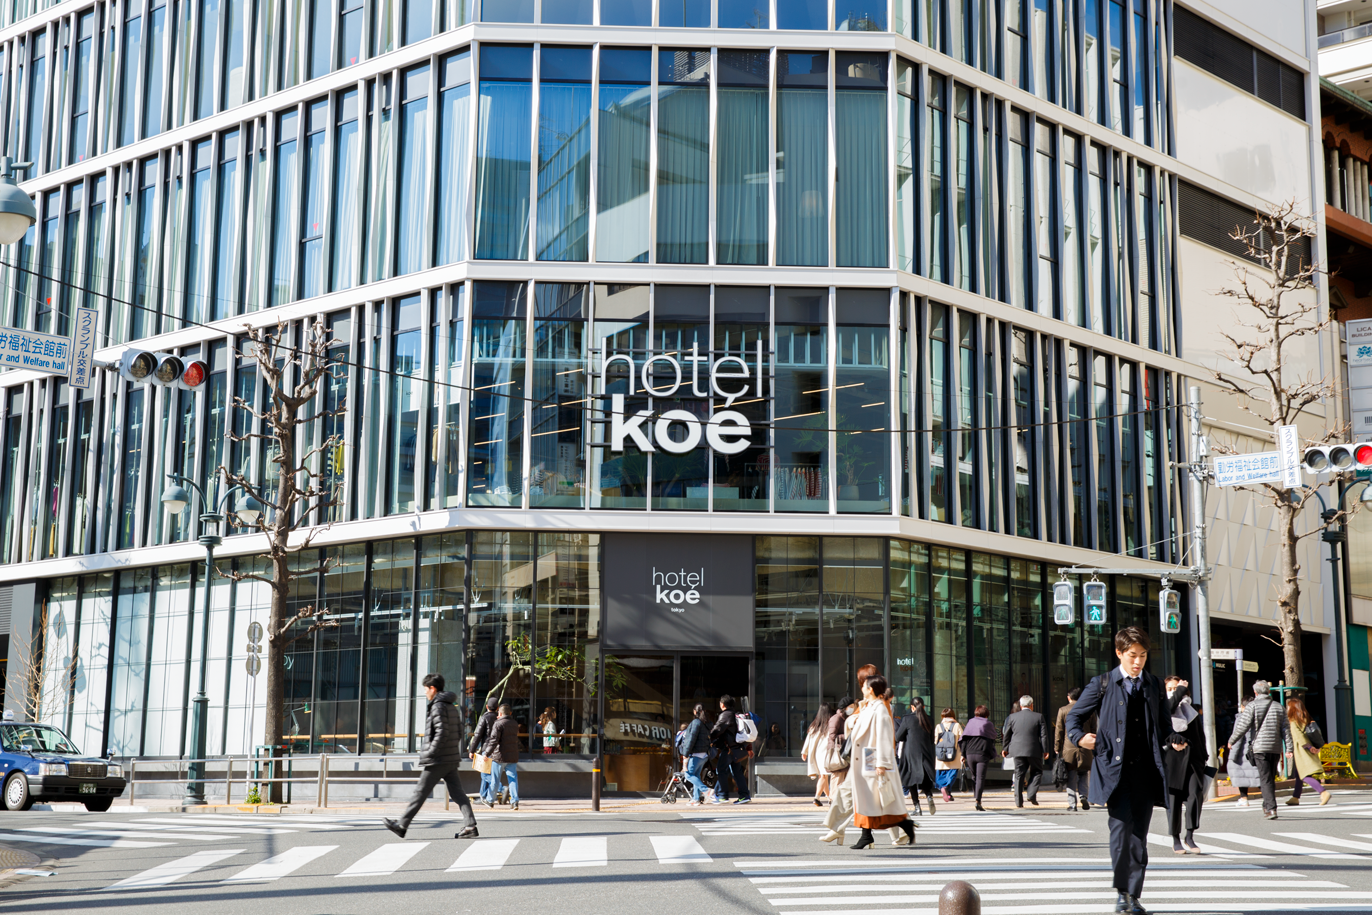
column 26, row 349
column 83, row 347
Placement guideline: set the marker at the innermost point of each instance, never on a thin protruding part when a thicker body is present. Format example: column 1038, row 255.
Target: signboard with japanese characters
column 1241, row 469
column 83, row 347
column 1359, row 339
column 26, row 349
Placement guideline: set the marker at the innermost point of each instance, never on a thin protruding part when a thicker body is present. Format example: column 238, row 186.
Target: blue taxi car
column 39, row 763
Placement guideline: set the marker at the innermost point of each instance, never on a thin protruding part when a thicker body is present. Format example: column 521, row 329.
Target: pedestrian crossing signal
column 1169, row 610
column 1094, row 592
column 1064, row 603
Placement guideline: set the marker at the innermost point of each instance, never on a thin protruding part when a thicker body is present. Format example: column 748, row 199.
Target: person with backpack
column 1306, row 739
column 947, row 753
column 732, row 755
column 1266, row 719
column 693, row 744
column 1026, row 742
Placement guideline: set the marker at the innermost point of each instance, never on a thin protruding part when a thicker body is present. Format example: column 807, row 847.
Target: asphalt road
column 675, row 859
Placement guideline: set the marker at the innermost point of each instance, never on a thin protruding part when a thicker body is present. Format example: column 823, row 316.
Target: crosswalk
column 969, row 823
column 156, row 832
column 393, row 857
column 1036, row 886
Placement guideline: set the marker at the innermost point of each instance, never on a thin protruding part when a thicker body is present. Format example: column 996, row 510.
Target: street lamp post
column 1343, row 692
column 176, row 498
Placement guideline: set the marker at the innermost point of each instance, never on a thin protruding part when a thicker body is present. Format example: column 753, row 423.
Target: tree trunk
column 1288, row 595
column 276, row 681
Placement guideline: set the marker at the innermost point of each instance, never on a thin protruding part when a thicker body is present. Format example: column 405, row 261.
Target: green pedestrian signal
column 1169, row 610
column 1094, row 592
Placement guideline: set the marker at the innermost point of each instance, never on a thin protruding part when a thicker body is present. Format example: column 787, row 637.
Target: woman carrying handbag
column 835, row 759
column 1306, row 739
column 878, row 802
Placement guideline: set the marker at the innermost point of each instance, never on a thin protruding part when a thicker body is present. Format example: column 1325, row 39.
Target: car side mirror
column 26, row 748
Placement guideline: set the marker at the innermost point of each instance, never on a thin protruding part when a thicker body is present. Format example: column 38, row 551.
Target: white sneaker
column 1242, row 802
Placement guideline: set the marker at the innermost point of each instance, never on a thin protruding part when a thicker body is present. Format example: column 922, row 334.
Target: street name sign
column 83, row 348
column 1241, row 469
column 27, row 349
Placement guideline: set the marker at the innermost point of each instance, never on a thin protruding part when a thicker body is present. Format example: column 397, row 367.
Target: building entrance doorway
column 649, row 696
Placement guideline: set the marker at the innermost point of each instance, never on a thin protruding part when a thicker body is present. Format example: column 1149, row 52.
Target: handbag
column 482, row 764
column 1059, row 773
column 1314, row 735
column 886, row 795
column 845, row 753
column 1008, row 763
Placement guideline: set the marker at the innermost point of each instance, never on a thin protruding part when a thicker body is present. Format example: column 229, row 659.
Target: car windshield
column 41, row 738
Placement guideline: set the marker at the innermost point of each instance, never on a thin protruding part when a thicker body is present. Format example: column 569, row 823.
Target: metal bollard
column 959, row 898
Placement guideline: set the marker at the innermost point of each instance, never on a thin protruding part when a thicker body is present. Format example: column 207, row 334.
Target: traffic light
column 1064, row 603
column 1169, row 610
column 164, row 369
column 1337, row 458
column 1094, row 592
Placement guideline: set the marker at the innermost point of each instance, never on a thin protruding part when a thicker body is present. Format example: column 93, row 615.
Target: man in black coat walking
column 438, row 760
column 1128, row 772
column 1026, row 742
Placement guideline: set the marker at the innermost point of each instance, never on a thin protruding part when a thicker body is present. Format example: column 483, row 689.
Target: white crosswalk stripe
column 281, row 865
column 583, row 851
column 75, row 839
column 970, row 823
column 163, row 874
column 1345, row 844
column 385, row 860
column 1285, row 848
column 484, row 855
column 121, row 833
column 1206, row 847
column 679, row 850
column 1044, row 886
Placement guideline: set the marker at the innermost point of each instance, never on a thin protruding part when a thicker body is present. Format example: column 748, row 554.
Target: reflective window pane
column 683, row 157
column 503, row 150
column 622, row 169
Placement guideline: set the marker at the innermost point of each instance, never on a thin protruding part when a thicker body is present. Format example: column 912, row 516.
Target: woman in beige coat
column 815, row 739
column 878, row 802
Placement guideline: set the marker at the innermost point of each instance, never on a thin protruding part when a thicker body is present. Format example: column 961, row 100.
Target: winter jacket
column 874, row 746
column 442, row 734
column 1074, row 756
column 723, row 734
column 697, row 739
column 1241, row 774
column 1194, row 757
column 916, row 762
column 483, row 730
column 503, row 744
column 978, row 742
column 1268, row 718
column 1026, row 735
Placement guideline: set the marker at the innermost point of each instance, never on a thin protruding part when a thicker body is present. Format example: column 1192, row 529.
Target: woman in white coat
column 878, row 802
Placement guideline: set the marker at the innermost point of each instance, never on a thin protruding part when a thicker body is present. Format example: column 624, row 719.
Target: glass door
column 639, row 699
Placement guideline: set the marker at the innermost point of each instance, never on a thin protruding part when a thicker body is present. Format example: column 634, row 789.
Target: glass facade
column 520, row 249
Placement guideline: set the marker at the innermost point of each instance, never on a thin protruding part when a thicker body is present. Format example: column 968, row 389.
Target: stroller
column 676, row 786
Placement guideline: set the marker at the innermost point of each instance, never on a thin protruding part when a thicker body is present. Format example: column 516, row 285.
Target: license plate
column 87, row 788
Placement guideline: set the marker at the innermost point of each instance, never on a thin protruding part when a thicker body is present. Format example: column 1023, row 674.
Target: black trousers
column 1267, row 774
column 727, row 769
column 978, row 778
column 1131, row 810
column 429, row 778
column 1189, row 793
column 1028, row 776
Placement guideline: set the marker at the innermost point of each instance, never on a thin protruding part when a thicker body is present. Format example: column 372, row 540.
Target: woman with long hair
column 547, row 724
column 1307, row 739
column 877, row 802
column 815, row 735
column 947, row 739
column 915, row 737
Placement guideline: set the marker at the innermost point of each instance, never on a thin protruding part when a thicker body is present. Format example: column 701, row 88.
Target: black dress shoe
column 1085, row 806
column 1124, row 903
column 394, row 827
column 468, row 832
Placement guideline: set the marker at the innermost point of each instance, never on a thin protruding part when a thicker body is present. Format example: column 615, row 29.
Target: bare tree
column 1280, row 315
column 300, row 486
column 44, row 678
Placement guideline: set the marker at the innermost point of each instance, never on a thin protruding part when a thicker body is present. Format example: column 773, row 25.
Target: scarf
column 978, row 727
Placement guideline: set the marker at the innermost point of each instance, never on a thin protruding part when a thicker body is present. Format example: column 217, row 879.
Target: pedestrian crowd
column 1127, row 741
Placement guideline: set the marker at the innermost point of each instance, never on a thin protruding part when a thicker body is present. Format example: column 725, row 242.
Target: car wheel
column 100, row 805
column 17, row 795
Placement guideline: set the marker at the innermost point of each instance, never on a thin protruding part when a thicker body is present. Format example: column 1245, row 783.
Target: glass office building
column 934, row 243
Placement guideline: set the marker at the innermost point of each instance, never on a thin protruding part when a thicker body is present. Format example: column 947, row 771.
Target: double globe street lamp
column 247, row 511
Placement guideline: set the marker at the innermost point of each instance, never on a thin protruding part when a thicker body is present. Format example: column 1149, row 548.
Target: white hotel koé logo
column 727, row 431
column 675, row 589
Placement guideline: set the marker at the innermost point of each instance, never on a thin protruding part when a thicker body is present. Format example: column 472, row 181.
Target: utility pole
column 1200, row 584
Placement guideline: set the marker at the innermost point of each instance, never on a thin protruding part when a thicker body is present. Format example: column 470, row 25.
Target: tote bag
column 482, row 764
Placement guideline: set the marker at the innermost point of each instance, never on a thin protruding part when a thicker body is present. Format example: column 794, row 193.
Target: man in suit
column 1128, row 771
column 1025, row 741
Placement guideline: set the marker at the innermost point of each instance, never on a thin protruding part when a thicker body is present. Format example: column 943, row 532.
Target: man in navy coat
column 1128, row 773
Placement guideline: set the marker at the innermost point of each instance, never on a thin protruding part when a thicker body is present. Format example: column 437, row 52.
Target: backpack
column 946, row 750
column 747, row 730
column 680, row 741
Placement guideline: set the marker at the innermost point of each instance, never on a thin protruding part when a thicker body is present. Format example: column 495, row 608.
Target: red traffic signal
column 193, row 375
column 142, row 367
